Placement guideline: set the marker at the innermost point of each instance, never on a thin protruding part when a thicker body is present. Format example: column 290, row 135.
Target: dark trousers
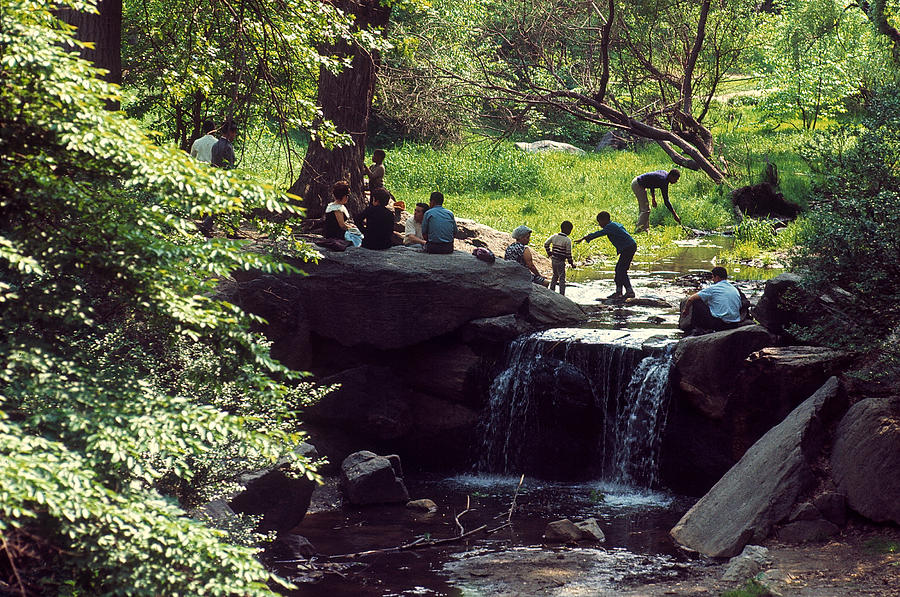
column 703, row 319
column 440, row 248
column 622, row 265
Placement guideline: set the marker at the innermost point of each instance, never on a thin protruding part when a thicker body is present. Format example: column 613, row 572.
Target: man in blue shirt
column 659, row 179
column 716, row 307
column 438, row 226
column 625, row 247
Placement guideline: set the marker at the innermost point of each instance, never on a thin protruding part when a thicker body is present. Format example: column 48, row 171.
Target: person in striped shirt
column 559, row 250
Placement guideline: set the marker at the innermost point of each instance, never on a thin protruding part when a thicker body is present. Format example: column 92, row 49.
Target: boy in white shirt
column 559, row 250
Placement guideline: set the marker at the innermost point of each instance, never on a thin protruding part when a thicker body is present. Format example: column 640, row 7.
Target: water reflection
column 690, row 256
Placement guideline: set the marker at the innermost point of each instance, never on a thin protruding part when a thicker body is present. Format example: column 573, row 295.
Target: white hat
column 521, row 232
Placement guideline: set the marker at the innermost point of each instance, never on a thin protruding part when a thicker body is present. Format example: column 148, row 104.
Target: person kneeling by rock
column 716, row 307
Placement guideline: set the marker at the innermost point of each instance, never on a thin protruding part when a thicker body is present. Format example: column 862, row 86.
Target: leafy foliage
column 816, row 56
column 851, row 241
column 128, row 392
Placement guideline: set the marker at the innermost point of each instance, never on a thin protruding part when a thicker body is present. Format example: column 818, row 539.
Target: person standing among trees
column 658, row 179
column 376, row 171
column 222, row 153
column 201, row 149
column 625, row 246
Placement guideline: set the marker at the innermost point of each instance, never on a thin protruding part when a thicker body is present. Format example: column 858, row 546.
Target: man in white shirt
column 716, row 307
column 413, row 233
column 201, row 149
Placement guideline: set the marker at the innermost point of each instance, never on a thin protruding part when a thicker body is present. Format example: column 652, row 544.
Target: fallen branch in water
column 421, row 542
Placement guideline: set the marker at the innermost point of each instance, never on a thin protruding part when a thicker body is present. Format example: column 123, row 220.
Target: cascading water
column 577, row 404
column 642, row 419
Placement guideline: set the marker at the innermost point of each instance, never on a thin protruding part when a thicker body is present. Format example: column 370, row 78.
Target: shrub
column 850, row 240
column 125, row 387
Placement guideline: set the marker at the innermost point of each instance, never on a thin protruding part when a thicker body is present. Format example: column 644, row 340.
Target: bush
column 851, row 241
column 129, row 394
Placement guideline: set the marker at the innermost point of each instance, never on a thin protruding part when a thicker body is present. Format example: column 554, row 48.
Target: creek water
column 585, row 406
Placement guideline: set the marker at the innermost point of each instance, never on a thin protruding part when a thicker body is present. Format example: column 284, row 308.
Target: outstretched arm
column 665, row 194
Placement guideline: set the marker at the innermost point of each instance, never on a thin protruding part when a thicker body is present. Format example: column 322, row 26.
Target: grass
column 498, row 185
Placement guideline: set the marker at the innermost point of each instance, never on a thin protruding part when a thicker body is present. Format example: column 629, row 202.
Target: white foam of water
column 615, row 495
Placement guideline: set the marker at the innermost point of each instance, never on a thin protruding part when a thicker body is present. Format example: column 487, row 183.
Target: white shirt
column 202, row 148
column 412, row 228
column 723, row 300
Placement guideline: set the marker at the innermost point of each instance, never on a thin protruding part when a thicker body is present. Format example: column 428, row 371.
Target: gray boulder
column 548, row 308
column 369, row 402
column 865, row 461
column 546, row 145
column 762, row 488
column 442, row 370
column 444, row 433
column 362, row 297
column 832, row 506
column 367, row 478
column 783, row 302
column 590, row 529
column 707, row 365
column 748, row 564
column 562, row 531
column 502, row 329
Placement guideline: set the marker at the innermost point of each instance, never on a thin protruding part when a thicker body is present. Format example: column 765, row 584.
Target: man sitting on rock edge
column 716, row 307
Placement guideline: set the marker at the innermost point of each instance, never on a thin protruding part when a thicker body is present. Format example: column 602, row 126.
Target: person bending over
column 625, row 247
column 650, row 181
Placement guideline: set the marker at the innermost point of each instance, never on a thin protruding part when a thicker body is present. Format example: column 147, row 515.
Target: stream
column 621, row 356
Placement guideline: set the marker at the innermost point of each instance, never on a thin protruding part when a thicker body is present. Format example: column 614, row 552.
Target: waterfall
column 641, row 420
column 577, row 404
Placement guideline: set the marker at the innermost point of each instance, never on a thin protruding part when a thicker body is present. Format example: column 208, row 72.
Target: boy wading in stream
column 625, row 247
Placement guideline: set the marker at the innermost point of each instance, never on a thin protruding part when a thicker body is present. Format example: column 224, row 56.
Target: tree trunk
column 346, row 100
column 105, row 31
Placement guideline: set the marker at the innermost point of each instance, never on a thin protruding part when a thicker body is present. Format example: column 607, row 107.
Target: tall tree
column 345, row 97
column 102, row 29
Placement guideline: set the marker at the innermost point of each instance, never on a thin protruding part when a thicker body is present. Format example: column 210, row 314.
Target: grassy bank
column 500, row 186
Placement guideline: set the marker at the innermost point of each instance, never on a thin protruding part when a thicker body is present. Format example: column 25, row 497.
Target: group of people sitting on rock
column 432, row 225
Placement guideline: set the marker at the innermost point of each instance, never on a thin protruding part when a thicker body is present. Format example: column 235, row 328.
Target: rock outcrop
column 762, row 489
column 408, row 337
column 707, row 365
column 866, row 458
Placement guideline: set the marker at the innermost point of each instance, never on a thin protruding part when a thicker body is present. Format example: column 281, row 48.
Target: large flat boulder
column 400, row 296
column 707, row 365
column 762, row 489
column 865, row 460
